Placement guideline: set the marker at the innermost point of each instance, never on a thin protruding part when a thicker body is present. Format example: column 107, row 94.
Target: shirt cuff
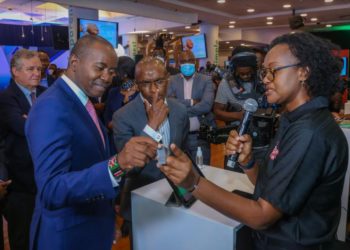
column 115, row 181
column 152, row 133
column 191, row 102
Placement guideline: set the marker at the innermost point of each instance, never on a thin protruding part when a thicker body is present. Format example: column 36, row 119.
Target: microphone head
column 250, row 105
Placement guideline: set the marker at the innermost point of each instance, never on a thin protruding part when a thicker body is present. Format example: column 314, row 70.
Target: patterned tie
column 33, row 97
column 92, row 112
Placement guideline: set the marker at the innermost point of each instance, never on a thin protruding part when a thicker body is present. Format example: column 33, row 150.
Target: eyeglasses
column 269, row 73
column 147, row 84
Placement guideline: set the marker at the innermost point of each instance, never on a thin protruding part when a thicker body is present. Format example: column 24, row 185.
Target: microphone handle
column 243, row 128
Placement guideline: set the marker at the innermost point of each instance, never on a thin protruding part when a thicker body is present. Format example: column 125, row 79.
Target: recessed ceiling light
column 221, row 1
column 269, row 23
column 146, row 35
column 328, row 1
column 250, row 10
column 187, row 27
column 303, row 14
column 171, row 33
column 242, row 44
column 164, row 30
column 231, row 47
column 231, row 26
column 286, row 6
column 227, row 42
column 314, row 19
column 292, row 32
column 329, row 25
column 269, row 18
column 232, row 22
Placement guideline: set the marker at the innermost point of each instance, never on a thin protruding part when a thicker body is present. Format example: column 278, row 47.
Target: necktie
column 33, row 97
column 92, row 112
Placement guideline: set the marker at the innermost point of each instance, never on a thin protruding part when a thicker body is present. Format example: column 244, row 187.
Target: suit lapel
column 22, row 100
column 85, row 116
column 181, row 83
column 174, row 123
column 195, row 86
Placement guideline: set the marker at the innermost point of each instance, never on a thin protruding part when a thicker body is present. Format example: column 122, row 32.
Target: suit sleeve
column 11, row 114
column 206, row 103
column 49, row 136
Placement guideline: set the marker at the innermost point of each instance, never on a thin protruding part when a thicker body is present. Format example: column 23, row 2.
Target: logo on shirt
column 274, row 152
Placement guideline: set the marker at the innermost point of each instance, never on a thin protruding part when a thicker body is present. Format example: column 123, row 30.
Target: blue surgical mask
column 187, row 69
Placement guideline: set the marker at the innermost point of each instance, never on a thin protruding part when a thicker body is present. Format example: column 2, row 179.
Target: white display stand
column 158, row 227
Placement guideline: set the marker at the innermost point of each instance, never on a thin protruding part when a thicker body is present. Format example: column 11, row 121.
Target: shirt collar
column 25, row 91
column 79, row 93
column 191, row 79
column 308, row 107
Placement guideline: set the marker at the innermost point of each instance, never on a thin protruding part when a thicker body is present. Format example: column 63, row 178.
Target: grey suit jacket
column 129, row 121
column 202, row 89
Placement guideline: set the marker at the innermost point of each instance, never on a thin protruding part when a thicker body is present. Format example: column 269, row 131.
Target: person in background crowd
column 77, row 179
column 46, row 79
column 15, row 103
column 297, row 198
column 52, row 71
column 196, row 92
column 150, row 114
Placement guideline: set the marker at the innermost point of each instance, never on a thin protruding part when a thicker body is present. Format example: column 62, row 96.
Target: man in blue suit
column 76, row 179
column 149, row 114
column 196, row 92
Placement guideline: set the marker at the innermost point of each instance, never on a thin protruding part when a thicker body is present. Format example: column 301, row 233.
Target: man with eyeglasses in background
column 196, row 92
column 149, row 114
column 15, row 103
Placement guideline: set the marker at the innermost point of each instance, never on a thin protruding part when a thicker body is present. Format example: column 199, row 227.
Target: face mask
column 127, row 85
column 50, row 72
column 187, row 69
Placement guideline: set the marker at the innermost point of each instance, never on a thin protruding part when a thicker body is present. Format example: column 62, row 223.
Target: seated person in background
column 297, row 197
column 242, row 83
column 149, row 114
column 196, row 92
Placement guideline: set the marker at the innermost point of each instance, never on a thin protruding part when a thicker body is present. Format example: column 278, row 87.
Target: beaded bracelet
column 115, row 168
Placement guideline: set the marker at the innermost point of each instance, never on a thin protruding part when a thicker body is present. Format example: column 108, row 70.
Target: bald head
column 150, row 64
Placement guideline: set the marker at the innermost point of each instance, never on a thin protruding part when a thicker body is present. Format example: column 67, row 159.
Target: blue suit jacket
column 129, row 121
column 74, row 203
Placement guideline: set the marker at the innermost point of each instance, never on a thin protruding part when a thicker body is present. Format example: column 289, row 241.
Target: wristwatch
column 249, row 165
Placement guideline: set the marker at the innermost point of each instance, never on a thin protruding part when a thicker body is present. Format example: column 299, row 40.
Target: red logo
column 274, row 153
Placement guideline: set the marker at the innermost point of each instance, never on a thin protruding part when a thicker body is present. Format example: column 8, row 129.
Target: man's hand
column 156, row 112
column 178, row 169
column 137, row 152
column 3, row 188
column 239, row 144
column 195, row 101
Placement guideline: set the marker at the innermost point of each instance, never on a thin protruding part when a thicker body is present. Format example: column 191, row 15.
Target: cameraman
column 240, row 84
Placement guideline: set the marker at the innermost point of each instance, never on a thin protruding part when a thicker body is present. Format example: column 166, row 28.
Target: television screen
column 108, row 30
column 197, row 44
column 345, row 67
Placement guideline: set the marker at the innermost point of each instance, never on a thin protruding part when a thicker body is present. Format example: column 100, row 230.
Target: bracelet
column 195, row 185
column 115, row 168
column 249, row 165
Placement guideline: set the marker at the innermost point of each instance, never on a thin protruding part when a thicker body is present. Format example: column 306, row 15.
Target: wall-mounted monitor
column 108, row 30
column 197, row 44
column 344, row 71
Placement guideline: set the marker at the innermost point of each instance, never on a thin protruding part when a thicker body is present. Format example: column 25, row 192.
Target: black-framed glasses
column 147, row 84
column 269, row 73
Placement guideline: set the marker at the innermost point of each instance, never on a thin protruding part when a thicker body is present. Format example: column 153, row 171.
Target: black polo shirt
column 303, row 175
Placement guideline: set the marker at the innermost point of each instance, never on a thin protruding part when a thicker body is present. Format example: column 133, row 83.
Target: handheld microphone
column 249, row 106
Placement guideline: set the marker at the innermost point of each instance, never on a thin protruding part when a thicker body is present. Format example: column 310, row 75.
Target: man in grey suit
column 196, row 92
column 149, row 114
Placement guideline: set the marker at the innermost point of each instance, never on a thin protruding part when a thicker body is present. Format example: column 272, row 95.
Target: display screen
column 197, row 44
column 107, row 30
column 345, row 66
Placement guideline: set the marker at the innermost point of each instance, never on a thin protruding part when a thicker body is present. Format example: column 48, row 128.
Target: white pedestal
column 157, row 227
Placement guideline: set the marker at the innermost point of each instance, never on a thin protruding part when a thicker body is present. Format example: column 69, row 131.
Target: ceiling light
column 164, row 30
column 231, row 26
column 314, row 19
column 286, row 6
column 232, row 22
column 221, row 1
column 242, row 44
column 187, row 27
column 231, row 47
column 269, row 18
column 250, row 10
column 171, row 33
column 329, row 25
column 328, row 1
column 227, row 42
column 303, row 14
column 269, row 23
column 146, row 35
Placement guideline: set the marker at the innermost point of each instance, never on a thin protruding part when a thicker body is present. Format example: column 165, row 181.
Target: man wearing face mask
column 196, row 92
column 239, row 85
